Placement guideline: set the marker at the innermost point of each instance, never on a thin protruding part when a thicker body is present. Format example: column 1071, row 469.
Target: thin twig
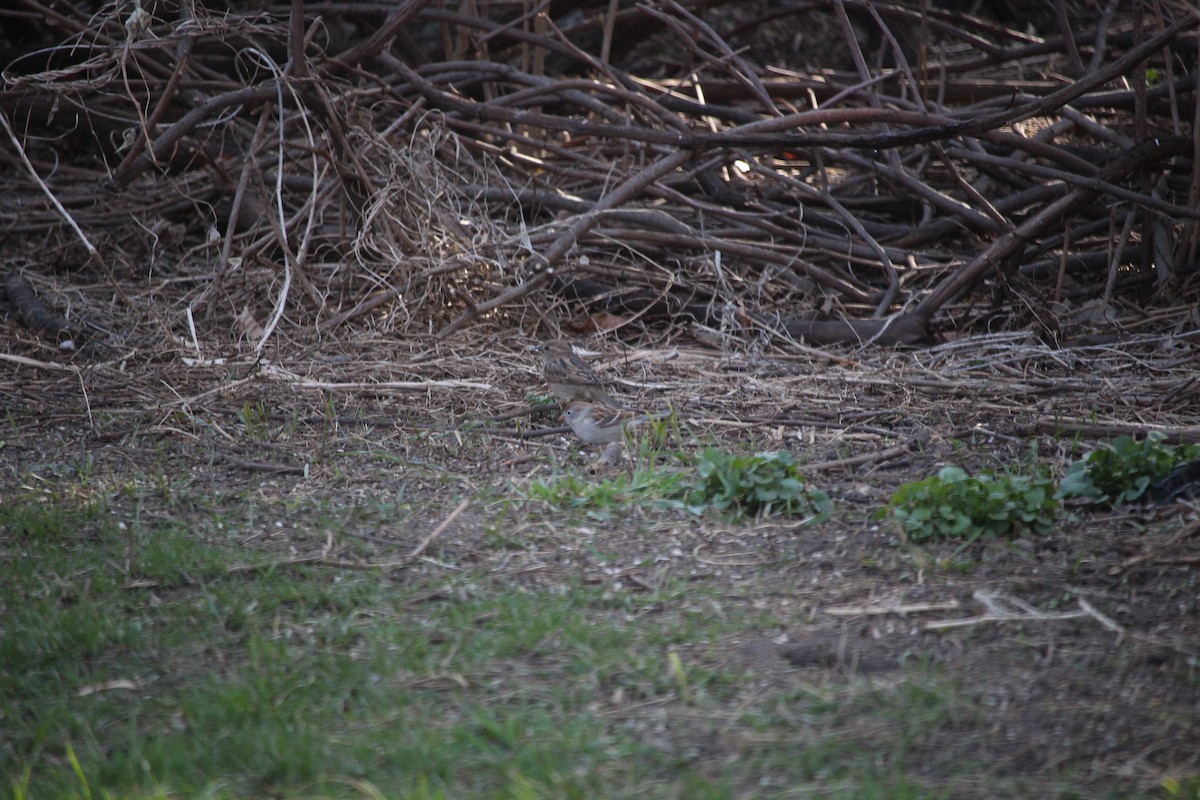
column 438, row 531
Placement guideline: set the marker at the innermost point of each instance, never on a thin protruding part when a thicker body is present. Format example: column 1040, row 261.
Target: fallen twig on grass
column 866, row 458
column 1156, row 551
column 998, row 611
column 899, row 609
column 436, row 532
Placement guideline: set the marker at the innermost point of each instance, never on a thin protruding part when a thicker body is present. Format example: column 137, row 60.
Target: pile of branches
column 841, row 170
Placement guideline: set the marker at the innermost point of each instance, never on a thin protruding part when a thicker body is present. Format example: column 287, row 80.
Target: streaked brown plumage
column 570, row 377
column 601, row 423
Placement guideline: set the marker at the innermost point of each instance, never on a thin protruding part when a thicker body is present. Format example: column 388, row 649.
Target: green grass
column 605, row 498
column 136, row 664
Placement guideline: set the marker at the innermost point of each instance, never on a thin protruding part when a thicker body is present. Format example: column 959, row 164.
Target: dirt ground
column 1075, row 652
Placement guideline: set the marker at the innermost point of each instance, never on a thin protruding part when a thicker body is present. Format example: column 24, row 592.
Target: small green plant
column 953, row 504
column 761, row 484
column 1121, row 471
column 602, row 499
column 255, row 418
column 541, row 401
column 1185, row 788
column 647, row 443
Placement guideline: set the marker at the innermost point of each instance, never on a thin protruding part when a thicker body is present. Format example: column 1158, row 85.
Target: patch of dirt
column 1072, row 658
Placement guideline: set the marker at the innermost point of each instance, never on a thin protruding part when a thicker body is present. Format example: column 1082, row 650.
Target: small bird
column 569, row 376
column 598, row 423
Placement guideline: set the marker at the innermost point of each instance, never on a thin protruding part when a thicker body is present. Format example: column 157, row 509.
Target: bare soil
column 1107, row 695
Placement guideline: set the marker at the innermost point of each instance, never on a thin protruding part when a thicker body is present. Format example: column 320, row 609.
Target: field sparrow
column 569, row 376
column 597, row 423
